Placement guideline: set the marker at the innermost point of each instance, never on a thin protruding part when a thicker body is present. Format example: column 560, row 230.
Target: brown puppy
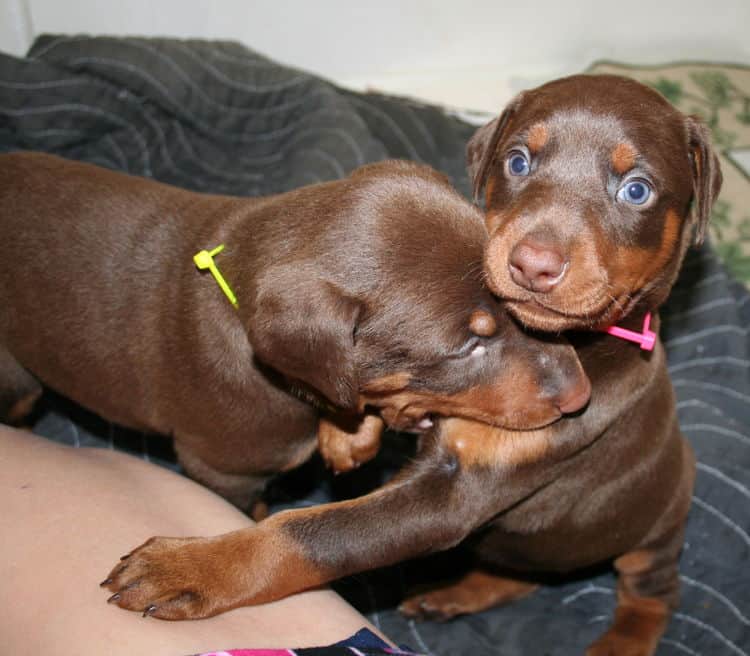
column 574, row 244
column 365, row 291
column 589, row 185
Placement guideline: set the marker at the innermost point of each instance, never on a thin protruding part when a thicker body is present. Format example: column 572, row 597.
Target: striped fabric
column 362, row 643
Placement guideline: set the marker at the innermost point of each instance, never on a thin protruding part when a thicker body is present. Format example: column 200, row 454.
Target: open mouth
column 409, row 421
column 416, row 424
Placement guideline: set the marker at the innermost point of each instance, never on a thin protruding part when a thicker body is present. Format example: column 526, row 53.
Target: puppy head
column 507, row 378
column 593, row 187
column 384, row 305
column 432, row 338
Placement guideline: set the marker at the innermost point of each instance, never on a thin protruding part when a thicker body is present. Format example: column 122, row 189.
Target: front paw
column 430, row 606
column 616, row 644
column 170, row 578
column 635, row 632
column 345, row 447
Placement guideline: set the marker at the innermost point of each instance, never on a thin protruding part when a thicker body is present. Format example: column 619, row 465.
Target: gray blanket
column 218, row 117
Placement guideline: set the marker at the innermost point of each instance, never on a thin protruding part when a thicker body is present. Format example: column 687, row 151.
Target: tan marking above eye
column 538, row 137
column 623, row 158
column 482, row 323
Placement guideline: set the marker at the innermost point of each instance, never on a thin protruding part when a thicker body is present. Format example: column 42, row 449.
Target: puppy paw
column 430, row 606
column 636, row 630
column 616, row 644
column 344, row 449
column 170, row 578
column 476, row 591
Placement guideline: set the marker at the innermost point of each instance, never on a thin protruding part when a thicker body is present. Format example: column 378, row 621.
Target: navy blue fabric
column 365, row 639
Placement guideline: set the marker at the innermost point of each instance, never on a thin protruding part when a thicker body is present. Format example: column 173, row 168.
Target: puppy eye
column 518, row 164
column 478, row 351
column 635, row 192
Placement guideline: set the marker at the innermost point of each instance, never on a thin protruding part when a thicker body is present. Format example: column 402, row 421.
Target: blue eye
column 518, row 164
column 635, row 192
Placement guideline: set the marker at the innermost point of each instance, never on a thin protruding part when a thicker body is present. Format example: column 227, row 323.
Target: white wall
column 470, row 53
column 16, row 32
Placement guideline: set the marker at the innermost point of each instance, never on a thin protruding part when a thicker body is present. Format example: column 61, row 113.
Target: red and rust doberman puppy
column 595, row 186
column 590, row 183
column 366, row 292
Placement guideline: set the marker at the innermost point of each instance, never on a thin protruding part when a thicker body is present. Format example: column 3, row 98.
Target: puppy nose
column 575, row 397
column 536, row 266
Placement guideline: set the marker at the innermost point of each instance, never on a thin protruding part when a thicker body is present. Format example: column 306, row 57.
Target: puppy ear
column 482, row 147
column 304, row 327
column 707, row 176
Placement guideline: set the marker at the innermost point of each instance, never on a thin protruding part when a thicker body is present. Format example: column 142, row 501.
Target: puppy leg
column 431, row 505
column 345, row 445
column 421, row 510
column 241, row 490
column 647, row 592
column 19, row 390
column 476, row 591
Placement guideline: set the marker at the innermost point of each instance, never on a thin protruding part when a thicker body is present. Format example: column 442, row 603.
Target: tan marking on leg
column 476, row 591
column 190, row 578
column 635, row 561
column 639, row 624
column 640, row 619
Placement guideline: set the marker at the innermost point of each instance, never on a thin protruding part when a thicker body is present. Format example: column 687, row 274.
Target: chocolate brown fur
column 611, row 484
column 570, row 252
column 356, row 294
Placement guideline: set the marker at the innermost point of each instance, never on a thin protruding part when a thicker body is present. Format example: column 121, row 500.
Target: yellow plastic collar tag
column 205, row 260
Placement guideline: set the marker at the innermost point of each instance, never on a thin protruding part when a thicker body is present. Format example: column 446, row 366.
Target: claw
column 125, row 557
column 115, row 597
column 150, row 610
column 105, row 582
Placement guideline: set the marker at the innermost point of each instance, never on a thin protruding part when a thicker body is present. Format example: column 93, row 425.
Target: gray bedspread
column 218, row 117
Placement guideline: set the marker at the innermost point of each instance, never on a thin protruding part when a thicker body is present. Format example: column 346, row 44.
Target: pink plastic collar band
column 646, row 338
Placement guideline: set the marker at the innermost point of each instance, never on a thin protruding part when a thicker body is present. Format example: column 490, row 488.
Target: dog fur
column 570, row 250
column 613, row 483
column 363, row 295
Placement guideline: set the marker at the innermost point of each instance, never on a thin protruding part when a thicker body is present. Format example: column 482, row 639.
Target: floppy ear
column 304, row 327
column 707, row 176
column 482, row 147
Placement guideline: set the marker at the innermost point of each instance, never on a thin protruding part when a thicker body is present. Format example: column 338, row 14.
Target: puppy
column 595, row 186
column 364, row 295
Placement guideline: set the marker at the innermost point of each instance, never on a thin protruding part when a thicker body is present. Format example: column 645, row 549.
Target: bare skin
column 66, row 513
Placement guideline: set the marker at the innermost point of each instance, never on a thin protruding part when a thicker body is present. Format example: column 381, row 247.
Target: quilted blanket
column 215, row 116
